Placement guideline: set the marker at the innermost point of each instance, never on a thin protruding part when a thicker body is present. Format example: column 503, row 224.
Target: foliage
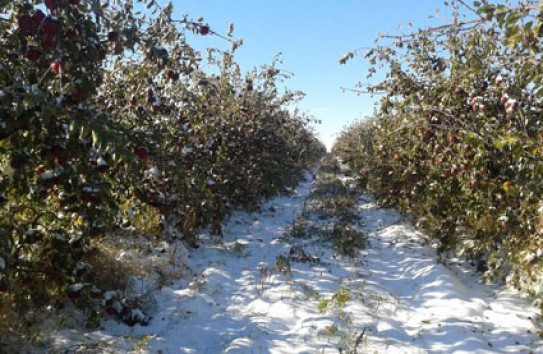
column 107, row 113
column 456, row 140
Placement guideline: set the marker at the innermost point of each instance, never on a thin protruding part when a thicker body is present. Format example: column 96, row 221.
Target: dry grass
column 125, row 256
column 20, row 331
column 112, row 270
column 118, row 260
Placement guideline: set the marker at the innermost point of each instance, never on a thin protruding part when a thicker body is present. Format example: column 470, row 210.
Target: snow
column 210, row 182
column 395, row 296
column 153, row 173
column 77, row 287
column 47, row 175
column 101, row 162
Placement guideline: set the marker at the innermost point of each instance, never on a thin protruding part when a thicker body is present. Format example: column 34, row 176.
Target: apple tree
column 456, row 139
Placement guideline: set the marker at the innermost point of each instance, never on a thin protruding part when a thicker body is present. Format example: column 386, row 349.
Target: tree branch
column 362, row 91
column 470, row 8
column 431, row 30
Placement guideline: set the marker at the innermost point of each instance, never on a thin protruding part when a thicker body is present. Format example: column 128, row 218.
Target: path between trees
column 260, row 290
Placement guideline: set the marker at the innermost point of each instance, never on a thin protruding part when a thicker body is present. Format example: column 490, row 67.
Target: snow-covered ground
column 242, row 296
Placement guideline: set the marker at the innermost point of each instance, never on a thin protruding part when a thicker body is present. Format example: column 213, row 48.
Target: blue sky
column 312, row 35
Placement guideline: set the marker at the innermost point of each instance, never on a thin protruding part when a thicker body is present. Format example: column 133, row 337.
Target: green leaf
column 539, row 29
column 96, row 138
column 84, row 130
column 505, row 142
column 512, row 18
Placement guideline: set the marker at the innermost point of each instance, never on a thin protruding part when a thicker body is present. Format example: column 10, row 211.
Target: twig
column 221, row 36
column 362, row 91
column 469, row 7
column 359, row 340
column 466, row 126
column 431, row 30
column 196, row 24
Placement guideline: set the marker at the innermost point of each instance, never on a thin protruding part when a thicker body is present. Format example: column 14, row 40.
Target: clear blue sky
column 312, row 35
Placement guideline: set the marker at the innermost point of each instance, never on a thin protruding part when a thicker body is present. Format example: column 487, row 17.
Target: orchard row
column 107, row 111
column 457, row 140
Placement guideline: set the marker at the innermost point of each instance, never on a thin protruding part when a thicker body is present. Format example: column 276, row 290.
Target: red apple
column 40, row 169
column 49, row 42
column 3, row 286
column 74, row 294
column 58, row 67
column 203, row 30
column 427, row 135
column 33, row 54
column 110, row 310
column 459, row 90
column 51, row 4
column 172, row 75
column 81, row 272
column 453, row 139
column 80, row 95
column 62, row 203
column 142, row 152
column 473, row 183
column 454, row 170
column 101, row 165
column 56, row 151
column 60, row 161
column 86, row 196
column 96, row 200
column 91, row 252
column 113, row 36
column 101, row 54
column 27, row 26
column 43, row 194
column 50, row 26
column 16, row 164
column 95, row 231
column 37, row 17
column 72, row 34
column 511, row 106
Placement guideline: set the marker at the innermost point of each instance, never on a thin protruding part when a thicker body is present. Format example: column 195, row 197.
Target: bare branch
column 470, row 8
column 363, row 91
column 431, row 30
